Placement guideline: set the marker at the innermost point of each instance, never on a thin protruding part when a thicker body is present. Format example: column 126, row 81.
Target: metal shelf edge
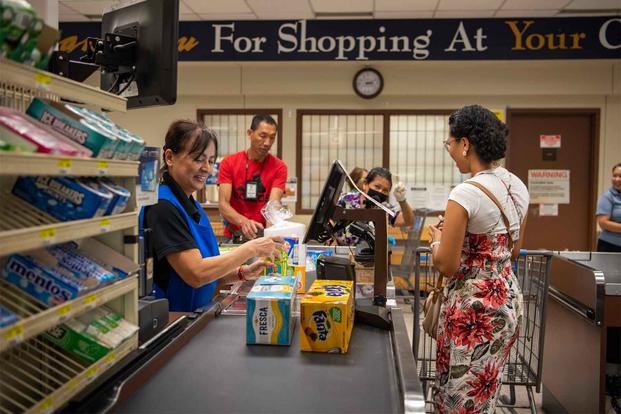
column 17, row 73
column 12, row 163
column 14, row 241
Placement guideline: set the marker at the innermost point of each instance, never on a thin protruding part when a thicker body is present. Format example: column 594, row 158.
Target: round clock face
column 368, row 83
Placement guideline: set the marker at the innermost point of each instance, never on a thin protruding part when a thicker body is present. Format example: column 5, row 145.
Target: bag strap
column 495, row 201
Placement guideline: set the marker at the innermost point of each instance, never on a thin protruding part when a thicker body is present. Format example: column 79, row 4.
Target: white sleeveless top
column 483, row 215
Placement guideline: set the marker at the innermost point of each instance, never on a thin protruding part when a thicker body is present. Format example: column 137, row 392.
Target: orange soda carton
column 327, row 316
column 299, row 272
column 269, row 318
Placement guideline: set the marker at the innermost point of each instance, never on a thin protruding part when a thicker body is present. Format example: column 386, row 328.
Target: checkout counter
column 584, row 300
column 201, row 363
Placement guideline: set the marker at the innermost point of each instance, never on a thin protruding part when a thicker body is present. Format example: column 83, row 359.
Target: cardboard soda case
column 269, row 318
column 327, row 316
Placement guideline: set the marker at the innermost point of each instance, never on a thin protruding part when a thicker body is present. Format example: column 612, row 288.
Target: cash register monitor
column 320, row 228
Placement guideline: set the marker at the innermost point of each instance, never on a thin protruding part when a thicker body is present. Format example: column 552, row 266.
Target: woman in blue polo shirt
column 187, row 262
column 609, row 215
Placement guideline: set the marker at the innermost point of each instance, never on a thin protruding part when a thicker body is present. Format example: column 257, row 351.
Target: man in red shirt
column 249, row 179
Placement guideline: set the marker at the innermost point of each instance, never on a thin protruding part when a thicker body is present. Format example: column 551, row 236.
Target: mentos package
column 70, row 123
column 67, row 256
column 327, row 316
column 48, row 285
column 120, row 196
column 269, row 306
column 63, row 197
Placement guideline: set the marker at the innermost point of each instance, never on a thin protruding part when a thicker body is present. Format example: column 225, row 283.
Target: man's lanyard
column 252, row 186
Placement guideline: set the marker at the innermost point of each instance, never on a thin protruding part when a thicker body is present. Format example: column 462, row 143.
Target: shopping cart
column 403, row 274
column 524, row 366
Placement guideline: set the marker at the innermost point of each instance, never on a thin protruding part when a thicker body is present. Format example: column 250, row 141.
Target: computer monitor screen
column 155, row 25
column 320, row 228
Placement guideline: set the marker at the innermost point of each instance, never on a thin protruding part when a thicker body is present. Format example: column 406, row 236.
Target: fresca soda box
column 269, row 318
column 327, row 316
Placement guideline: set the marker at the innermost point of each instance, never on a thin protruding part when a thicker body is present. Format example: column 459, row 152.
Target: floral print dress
column 479, row 322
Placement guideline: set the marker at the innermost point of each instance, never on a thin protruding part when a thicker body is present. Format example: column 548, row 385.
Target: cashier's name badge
column 251, row 190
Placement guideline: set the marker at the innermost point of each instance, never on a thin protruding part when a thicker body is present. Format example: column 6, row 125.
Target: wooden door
column 574, row 226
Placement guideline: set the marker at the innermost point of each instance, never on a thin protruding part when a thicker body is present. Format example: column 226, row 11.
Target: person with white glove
column 378, row 187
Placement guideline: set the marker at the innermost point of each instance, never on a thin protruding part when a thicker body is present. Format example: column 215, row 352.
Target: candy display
column 24, row 132
column 7, row 317
column 327, row 316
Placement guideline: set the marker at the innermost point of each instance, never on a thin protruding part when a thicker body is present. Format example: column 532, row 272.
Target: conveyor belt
column 216, row 372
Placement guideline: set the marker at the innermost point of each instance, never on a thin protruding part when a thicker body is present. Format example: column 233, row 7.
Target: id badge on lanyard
column 251, row 190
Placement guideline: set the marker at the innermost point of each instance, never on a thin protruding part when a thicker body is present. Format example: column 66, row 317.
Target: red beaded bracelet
column 240, row 274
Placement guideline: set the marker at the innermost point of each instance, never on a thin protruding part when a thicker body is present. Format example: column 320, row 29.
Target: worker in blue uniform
column 187, row 261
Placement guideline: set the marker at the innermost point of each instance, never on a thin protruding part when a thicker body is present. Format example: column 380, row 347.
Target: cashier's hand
column 253, row 271
column 268, row 247
column 249, row 228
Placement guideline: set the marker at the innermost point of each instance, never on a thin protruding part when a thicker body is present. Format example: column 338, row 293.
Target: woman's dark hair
column 614, row 167
column 183, row 131
column 356, row 175
column 379, row 172
column 486, row 133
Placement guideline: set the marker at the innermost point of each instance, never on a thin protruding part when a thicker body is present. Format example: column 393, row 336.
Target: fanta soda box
column 269, row 311
column 327, row 316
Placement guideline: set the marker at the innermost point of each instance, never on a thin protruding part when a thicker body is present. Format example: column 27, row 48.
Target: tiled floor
column 521, row 393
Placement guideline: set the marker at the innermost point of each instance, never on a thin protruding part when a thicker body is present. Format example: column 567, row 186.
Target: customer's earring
column 464, row 153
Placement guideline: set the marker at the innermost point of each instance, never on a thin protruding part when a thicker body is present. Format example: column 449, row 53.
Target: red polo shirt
column 236, row 169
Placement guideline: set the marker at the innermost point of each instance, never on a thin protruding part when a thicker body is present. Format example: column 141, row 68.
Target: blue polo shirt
column 609, row 204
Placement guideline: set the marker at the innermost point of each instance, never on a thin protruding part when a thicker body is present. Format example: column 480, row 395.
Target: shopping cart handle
column 523, row 252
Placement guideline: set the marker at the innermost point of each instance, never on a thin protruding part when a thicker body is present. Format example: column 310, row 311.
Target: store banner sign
column 372, row 40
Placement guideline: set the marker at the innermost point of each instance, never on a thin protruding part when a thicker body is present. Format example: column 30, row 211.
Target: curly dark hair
column 486, row 133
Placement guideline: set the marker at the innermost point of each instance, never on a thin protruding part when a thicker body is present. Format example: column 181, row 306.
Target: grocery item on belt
column 7, row 317
column 269, row 318
column 48, row 285
column 120, row 196
column 20, row 130
column 65, row 198
column 69, row 122
column 281, row 264
column 327, row 316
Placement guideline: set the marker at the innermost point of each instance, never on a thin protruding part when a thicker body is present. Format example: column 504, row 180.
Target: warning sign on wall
column 548, row 186
column 550, row 141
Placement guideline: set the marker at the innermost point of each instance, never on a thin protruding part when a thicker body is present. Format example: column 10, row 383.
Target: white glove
column 399, row 192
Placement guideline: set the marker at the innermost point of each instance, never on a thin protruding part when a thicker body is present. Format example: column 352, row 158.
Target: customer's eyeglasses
column 447, row 143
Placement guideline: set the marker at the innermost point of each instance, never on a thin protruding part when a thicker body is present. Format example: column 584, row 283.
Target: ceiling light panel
column 404, row 5
column 468, row 5
column 342, row 6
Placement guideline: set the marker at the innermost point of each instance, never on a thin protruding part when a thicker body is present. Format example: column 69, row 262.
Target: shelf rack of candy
column 68, row 283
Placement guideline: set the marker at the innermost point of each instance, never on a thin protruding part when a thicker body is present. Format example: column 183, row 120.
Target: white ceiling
column 83, row 10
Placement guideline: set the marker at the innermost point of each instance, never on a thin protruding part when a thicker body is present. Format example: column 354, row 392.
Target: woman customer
column 480, row 317
column 378, row 186
column 187, row 260
column 609, row 215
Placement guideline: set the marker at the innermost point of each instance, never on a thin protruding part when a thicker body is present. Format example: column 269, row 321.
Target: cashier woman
column 187, row 262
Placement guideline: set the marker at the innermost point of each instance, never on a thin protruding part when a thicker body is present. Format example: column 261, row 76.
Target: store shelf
column 23, row 227
column 28, row 77
column 36, row 318
column 13, row 163
column 40, row 377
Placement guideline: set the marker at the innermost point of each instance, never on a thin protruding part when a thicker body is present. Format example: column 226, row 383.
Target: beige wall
column 408, row 85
